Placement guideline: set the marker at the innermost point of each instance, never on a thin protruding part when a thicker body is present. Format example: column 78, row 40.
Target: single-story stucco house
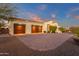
column 21, row 26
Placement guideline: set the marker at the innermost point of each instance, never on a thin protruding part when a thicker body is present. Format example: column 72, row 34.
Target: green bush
column 53, row 29
column 62, row 29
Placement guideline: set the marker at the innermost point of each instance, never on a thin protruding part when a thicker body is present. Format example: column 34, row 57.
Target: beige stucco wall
column 11, row 26
column 29, row 24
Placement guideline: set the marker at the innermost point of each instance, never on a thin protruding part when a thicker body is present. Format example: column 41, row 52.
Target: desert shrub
column 62, row 29
column 48, row 31
column 53, row 29
column 75, row 30
column 44, row 31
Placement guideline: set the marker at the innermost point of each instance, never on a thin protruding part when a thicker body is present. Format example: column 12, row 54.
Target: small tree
column 53, row 29
column 7, row 11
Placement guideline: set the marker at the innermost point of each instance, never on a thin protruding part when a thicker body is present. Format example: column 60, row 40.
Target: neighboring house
column 21, row 26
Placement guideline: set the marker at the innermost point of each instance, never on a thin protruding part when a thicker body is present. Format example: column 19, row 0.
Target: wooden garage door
column 36, row 29
column 19, row 28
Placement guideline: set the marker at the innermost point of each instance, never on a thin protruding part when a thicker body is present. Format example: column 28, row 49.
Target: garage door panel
column 36, row 29
column 19, row 28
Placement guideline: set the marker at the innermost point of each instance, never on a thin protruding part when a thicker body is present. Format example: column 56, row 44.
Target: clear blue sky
column 65, row 14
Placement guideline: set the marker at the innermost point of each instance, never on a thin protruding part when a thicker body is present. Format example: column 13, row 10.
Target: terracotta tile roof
column 41, row 21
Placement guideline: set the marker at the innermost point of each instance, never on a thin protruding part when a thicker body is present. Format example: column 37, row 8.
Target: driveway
column 44, row 42
column 39, row 45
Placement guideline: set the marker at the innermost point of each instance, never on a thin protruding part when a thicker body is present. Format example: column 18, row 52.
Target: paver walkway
column 44, row 42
